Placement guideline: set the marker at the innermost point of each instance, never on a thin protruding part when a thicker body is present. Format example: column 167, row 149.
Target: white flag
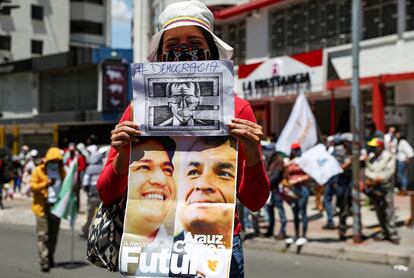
column 319, row 164
column 300, row 127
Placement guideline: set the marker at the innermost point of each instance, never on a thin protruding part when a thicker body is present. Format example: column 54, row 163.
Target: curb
column 347, row 253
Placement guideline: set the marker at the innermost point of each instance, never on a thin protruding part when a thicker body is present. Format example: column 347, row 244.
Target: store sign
column 115, row 87
column 280, row 83
column 279, row 77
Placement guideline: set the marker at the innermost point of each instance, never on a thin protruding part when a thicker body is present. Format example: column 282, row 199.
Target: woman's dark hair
column 210, row 42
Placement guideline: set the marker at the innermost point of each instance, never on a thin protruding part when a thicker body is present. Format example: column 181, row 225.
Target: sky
column 121, row 23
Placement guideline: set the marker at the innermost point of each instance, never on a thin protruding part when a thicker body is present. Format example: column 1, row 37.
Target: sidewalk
column 19, row 211
column 322, row 243
column 325, row 243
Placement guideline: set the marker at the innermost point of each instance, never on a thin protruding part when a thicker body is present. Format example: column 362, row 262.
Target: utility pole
column 356, row 121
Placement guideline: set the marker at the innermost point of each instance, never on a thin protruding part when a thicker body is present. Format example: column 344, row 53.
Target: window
column 235, row 35
column 99, row 2
column 86, row 27
column 37, row 12
column 409, row 11
column 315, row 24
column 5, row 42
column 379, row 18
column 37, row 47
column 5, row 11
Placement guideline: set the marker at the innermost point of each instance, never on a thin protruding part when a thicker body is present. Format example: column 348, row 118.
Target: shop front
column 271, row 87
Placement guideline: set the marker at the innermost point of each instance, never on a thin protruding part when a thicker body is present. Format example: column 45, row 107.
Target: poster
column 183, row 98
column 114, row 86
column 180, row 207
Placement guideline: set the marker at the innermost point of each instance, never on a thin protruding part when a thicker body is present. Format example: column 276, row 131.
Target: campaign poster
column 180, row 207
column 183, row 98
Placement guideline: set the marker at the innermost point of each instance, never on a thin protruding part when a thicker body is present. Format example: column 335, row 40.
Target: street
column 18, row 259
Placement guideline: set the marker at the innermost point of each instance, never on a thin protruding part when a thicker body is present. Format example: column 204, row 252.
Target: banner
column 300, row 127
column 180, row 207
column 319, row 164
column 66, row 204
column 183, row 98
column 181, row 200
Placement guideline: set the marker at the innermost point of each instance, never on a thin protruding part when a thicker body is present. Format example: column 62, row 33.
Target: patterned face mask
column 185, row 52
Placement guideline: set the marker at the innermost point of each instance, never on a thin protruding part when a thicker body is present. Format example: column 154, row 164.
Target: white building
column 90, row 23
column 42, row 27
column 145, row 23
column 36, row 27
column 285, row 46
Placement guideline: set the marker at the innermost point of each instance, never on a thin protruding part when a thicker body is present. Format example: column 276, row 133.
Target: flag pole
column 356, row 122
column 72, row 225
column 72, row 249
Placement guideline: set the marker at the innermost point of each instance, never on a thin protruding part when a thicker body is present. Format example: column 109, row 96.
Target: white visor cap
column 187, row 13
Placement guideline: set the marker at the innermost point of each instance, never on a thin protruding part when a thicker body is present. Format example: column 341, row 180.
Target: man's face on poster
column 183, row 100
column 208, row 177
column 153, row 187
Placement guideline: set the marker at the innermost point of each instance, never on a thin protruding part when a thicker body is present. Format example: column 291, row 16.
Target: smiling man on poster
column 205, row 212
column 151, row 196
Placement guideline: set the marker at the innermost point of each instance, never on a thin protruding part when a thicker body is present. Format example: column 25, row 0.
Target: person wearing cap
column 45, row 184
column 380, row 168
column 186, row 34
column 297, row 180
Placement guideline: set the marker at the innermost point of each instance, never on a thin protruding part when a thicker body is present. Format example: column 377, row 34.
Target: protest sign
column 183, row 98
column 180, row 207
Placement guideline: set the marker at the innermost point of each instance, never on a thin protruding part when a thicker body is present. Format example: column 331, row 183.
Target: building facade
column 33, row 28
column 90, row 23
column 65, row 97
column 283, row 47
column 59, row 79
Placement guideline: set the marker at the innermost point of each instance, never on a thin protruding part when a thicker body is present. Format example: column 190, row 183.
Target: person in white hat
column 186, row 33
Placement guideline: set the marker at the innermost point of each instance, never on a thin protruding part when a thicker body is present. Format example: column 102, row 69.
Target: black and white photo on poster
column 185, row 103
column 186, row 98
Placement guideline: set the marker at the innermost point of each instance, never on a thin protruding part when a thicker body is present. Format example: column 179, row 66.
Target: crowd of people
column 31, row 174
column 384, row 163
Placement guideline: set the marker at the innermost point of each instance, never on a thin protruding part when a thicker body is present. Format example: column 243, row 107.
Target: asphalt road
column 18, row 259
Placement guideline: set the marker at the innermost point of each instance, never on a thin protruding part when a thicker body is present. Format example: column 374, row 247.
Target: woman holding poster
column 186, row 35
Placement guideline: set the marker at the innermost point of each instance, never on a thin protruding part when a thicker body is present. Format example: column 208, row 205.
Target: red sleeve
column 112, row 186
column 81, row 163
column 252, row 182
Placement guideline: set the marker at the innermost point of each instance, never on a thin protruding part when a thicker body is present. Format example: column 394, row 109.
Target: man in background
column 380, row 168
